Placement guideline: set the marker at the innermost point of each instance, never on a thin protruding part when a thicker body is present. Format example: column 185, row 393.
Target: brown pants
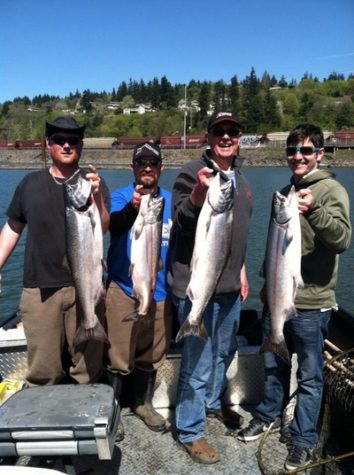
column 140, row 344
column 50, row 322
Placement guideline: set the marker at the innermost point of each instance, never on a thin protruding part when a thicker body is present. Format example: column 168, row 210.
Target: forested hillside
column 263, row 104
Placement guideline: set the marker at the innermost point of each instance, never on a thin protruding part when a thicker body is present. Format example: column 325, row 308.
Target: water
column 263, row 181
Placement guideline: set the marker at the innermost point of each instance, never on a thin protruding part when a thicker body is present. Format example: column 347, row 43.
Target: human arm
column 125, row 208
column 328, row 216
column 189, row 192
column 9, row 236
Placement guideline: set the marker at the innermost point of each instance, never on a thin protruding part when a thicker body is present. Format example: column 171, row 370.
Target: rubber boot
column 143, row 386
column 116, row 381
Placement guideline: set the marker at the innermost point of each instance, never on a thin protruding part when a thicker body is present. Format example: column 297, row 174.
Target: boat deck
column 143, row 452
column 149, row 453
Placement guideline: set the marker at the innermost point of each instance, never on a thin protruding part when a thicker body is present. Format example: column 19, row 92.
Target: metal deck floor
column 143, row 452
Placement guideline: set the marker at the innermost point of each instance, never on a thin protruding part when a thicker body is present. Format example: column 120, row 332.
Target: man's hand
column 94, row 178
column 305, row 200
column 200, row 189
column 139, row 191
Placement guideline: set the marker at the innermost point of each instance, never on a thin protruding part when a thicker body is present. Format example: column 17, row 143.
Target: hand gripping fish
column 145, row 254
column 85, row 253
column 282, row 268
column 210, row 254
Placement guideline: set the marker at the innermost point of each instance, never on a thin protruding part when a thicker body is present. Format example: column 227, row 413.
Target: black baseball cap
column 218, row 117
column 64, row 124
column 147, row 149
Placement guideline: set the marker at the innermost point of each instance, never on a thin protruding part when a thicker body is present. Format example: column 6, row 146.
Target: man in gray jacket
column 202, row 380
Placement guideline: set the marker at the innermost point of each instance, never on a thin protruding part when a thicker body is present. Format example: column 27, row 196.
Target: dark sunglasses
column 304, row 150
column 220, row 132
column 61, row 140
column 140, row 162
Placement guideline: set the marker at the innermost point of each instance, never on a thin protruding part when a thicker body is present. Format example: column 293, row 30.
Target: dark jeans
column 304, row 335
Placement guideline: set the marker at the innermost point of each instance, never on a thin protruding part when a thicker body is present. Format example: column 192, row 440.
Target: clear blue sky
column 57, row 47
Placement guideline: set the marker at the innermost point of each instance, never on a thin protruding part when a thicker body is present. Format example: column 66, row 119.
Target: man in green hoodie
column 323, row 204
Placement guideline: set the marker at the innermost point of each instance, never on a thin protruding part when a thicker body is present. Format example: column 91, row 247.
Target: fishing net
column 339, row 377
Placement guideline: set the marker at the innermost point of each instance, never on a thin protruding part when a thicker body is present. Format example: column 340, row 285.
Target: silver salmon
column 85, row 254
column 210, row 254
column 282, row 268
column 145, row 260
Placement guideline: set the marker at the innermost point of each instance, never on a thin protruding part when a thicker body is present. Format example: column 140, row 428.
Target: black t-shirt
column 38, row 202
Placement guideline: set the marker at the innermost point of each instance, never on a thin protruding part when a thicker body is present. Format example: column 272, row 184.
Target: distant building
column 138, row 109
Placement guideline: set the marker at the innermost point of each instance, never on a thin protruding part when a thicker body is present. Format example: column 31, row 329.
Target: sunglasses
column 72, row 140
column 220, row 132
column 140, row 162
column 304, row 150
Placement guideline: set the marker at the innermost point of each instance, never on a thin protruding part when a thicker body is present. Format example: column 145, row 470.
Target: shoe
column 256, row 429
column 152, row 419
column 285, row 436
column 226, row 416
column 120, row 432
column 298, row 457
column 201, row 451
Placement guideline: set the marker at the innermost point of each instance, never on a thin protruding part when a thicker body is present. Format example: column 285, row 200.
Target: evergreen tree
column 252, row 103
column 167, row 96
column 154, row 88
column 122, row 91
column 234, row 95
column 204, row 101
column 282, row 82
column 86, row 101
column 271, row 114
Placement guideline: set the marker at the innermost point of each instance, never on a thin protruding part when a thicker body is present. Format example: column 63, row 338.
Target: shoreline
column 121, row 159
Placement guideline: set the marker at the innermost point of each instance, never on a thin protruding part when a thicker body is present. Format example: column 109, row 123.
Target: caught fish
column 210, row 254
column 282, row 268
column 85, row 254
column 145, row 254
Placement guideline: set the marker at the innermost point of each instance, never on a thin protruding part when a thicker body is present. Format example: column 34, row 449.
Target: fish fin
column 287, row 240
column 138, row 228
column 189, row 293
column 101, row 294
column 279, row 349
column 132, row 317
column 187, row 329
column 137, row 317
column 85, row 334
column 299, row 282
column 104, row 265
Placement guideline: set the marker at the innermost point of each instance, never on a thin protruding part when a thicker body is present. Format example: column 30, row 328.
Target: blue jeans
column 202, row 378
column 304, row 335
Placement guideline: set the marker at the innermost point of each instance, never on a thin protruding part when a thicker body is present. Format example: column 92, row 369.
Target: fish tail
column 132, row 317
column 279, row 349
column 85, row 334
column 188, row 329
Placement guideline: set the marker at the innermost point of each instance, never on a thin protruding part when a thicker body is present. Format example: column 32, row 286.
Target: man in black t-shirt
column 48, row 305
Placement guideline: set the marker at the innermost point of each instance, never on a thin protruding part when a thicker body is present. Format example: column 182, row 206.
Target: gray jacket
column 185, row 217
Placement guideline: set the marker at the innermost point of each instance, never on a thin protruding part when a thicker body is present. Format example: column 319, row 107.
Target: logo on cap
column 141, row 150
